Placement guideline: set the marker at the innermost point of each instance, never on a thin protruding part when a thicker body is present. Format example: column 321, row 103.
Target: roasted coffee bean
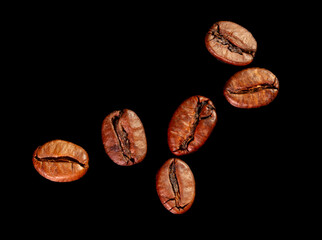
column 60, row 161
column 251, row 88
column 191, row 125
column 175, row 186
column 231, row 43
column 124, row 137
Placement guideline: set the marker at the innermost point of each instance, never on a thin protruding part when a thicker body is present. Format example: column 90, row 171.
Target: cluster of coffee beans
column 189, row 128
column 123, row 133
column 233, row 44
column 194, row 120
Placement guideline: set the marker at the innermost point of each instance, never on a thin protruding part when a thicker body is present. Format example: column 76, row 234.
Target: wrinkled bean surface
column 60, row 161
column 124, row 137
column 191, row 125
column 231, row 43
column 251, row 88
column 175, row 186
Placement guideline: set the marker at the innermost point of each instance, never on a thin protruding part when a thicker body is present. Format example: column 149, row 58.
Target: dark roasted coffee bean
column 191, row 125
column 124, row 137
column 60, row 161
column 175, row 186
column 251, row 88
column 231, row 43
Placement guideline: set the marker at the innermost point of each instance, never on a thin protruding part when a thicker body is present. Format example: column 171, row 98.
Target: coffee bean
column 251, row 88
column 175, row 186
column 124, row 137
column 60, row 161
column 231, row 43
column 191, row 125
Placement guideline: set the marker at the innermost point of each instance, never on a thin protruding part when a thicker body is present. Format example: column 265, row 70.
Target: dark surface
column 85, row 63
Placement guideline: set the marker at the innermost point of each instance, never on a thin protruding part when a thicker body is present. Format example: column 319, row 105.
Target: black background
column 85, row 62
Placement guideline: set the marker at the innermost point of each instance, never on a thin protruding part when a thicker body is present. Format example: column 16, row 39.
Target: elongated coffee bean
column 251, row 88
column 191, row 125
column 231, row 43
column 60, row 161
column 124, row 137
column 175, row 186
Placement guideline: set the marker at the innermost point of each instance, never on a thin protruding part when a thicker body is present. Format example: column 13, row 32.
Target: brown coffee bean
column 124, row 137
column 175, row 186
column 251, row 88
column 231, row 43
column 60, row 161
column 191, row 125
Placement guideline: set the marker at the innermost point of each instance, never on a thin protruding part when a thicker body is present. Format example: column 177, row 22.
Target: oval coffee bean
column 175, row 186
column 231, row 43
column 191, row 125
column 124, row 137
column 60, row 161
column 251, row 88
